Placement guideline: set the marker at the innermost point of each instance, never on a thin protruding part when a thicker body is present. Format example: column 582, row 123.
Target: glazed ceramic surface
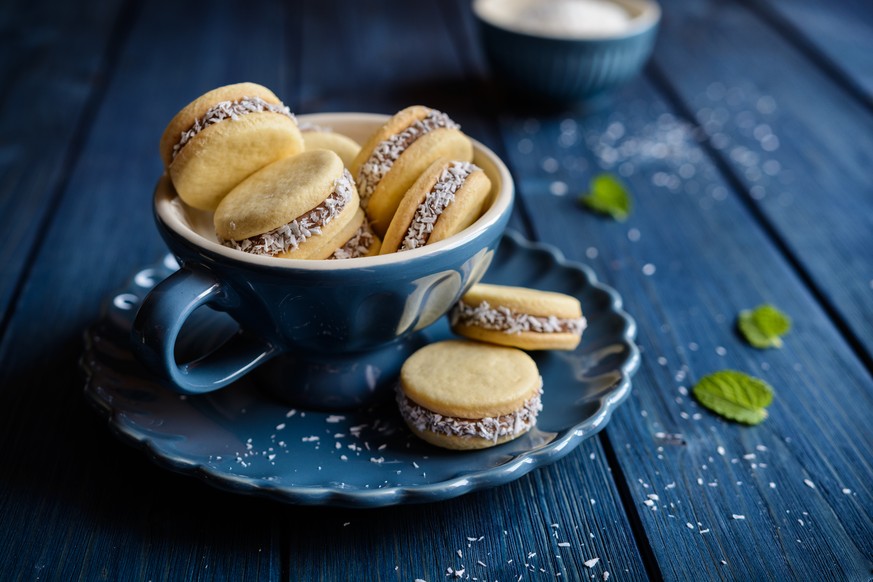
column 335, row 312
column 243, row 439
column 559, row 68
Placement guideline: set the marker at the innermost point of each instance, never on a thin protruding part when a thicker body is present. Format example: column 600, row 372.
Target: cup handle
column 162, row 315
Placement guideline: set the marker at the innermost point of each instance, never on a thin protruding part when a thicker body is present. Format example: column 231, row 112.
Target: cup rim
column 649, row 15
column 168, row 209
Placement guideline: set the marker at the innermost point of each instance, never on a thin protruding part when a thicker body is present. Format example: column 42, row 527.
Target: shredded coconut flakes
column 232, row 110
column 488, row 428
column 386, row 153
column 435, row 202
column 503, row 319
column 357, row 246
column 292, row 235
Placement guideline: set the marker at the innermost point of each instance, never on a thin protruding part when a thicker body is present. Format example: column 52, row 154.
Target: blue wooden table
column 748, row 147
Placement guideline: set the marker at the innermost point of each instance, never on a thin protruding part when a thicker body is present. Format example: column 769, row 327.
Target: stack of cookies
column 289, row 190
column 484, row 390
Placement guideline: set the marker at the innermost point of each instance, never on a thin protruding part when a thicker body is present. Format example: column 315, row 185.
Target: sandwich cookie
column 223, row 137
column 296, row 208
column 462, row 395
column 447, row 198
column 362, row 243
column 529, row 319
column 396, row 155
column 317, row 137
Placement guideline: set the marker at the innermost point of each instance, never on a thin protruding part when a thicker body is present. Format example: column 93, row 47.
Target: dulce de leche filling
column 357, row 246
column 232, row 110
column 489, row 428
column 435, row 202
column 503, row 319
column 386, row 153
column 292, row 235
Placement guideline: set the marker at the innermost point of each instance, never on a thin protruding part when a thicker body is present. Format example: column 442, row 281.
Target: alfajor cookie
column 529, row 319
column 393, row 158
column 459, row 394
column 224, row 136
column 299, row 207
column 317, row 137
column 363, row 242
column 447, row 198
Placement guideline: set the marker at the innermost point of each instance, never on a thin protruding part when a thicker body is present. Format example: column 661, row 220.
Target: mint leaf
column 735, row 395
column 764, row 326
column 607, row 196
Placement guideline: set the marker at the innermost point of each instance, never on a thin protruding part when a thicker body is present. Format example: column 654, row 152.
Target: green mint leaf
column 735, row 395
column 607, row 196
column 764, row 326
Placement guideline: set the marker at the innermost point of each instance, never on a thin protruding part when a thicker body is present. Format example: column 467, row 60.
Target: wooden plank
column 839, row 34
column 76, row 504
column 520, row 529
column 798, row 143
column 688, row 259
column 51, row 55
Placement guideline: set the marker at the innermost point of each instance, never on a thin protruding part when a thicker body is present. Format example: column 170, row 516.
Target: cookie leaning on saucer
column 224, row 136
column 462, row 395
column 316, row 137
column 447, row 198
column 529, row 319
column 394, row 156
column 299, row 207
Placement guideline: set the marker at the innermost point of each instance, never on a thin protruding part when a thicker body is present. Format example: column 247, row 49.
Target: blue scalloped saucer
column 240, row 439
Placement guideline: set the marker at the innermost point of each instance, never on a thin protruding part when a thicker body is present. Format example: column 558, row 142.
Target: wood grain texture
column 497, row 534
column 838, row 35
column 95, row 510
column 794, row 140
column 688, row 259
column 52, row 61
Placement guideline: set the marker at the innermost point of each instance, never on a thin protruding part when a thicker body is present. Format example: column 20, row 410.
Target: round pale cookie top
column 466, row 379
column 277, row 194
column 524, row 300
column 198, row 108
column 345, row 147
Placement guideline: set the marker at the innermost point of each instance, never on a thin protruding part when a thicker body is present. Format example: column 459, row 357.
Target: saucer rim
column 487, row 477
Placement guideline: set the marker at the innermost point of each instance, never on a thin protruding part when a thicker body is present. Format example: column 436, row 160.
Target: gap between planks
column 797, row 39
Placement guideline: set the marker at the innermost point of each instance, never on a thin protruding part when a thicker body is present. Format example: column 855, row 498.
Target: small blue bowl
column 567, row 50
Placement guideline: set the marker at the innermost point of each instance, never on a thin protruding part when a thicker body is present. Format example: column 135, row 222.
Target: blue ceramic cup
column 332, row 331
